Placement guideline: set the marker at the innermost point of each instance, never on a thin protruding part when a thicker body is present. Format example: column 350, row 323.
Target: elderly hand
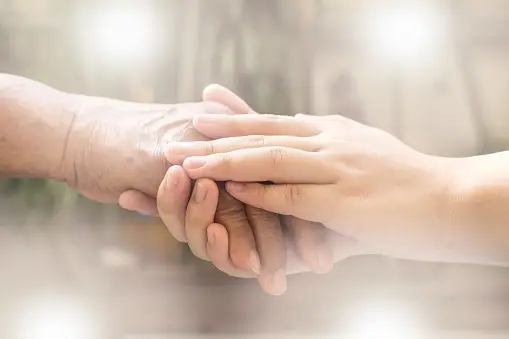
column 253, row 232
column 114, row 152
column 115, row 146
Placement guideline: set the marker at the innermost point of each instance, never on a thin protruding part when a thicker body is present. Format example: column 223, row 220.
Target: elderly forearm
column 34, row 123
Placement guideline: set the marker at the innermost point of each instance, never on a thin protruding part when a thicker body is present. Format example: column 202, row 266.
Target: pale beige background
column 284, row 56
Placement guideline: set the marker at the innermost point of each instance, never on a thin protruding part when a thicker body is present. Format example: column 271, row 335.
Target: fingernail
column 254, row 261
column 194, row 163
column 324, row 262
column 172, row 179
column 235, row 186
column 211, row 236
column 199, row 193
column 279, row 282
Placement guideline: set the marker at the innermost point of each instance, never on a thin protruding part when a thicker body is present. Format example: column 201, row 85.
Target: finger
column 276, row 164
column 137, row 201
column 217, row 250
column 222, row 126
column 172, row 198
column 310, row 242
column 177, row 152
column 224, row 96
column 308, row 202
column 200, row 214
column 231, row 213
column 271, row 246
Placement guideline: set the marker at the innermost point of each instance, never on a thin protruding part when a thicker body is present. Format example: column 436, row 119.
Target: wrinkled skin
column 117, row 146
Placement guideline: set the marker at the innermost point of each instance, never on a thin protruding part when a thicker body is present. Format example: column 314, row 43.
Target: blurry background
column 435, row 73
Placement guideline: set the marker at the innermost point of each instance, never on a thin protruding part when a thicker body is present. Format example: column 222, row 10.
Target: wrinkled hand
column 115, row 152
column 356, row 180
column 115, row 146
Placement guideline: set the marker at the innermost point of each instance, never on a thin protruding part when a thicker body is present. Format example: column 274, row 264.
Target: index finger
column 276, row 164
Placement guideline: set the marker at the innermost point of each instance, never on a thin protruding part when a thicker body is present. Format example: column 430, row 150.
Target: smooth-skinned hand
column 358, row 181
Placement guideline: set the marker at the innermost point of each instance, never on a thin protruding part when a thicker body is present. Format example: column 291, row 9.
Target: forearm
column 482, row 208
column 34, row 122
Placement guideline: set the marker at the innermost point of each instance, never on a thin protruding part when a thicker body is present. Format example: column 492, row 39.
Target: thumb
column 224, row 96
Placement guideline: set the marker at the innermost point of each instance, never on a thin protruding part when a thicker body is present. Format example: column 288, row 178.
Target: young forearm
column 482, row 208
column 34, row 122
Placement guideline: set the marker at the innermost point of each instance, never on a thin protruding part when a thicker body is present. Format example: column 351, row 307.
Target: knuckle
column 263, row 193
column 226, row 160
column 293, row 194
column 209, row 147
column 261, row 215
column 270, row 239
column 256, row 141
column 277, row 155
column 264, row 223
column 231, row 214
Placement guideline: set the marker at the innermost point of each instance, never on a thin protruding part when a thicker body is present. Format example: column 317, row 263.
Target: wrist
column 442, row 198
column 478, row 194
column 34, row 122
column 78, row 142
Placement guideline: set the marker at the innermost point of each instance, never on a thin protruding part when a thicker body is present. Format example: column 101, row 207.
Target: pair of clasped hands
column 264, row 196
